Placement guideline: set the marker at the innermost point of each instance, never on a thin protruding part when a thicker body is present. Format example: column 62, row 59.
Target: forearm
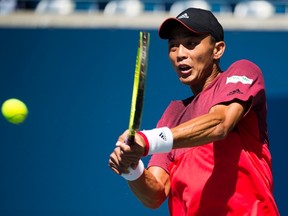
column 208, row 128
column 149, row 190
column 199, row 131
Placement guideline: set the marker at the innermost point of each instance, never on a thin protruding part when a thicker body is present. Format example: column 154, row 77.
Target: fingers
column 117, row 164
column 125, row 156
column 131, row 153
column 121, row 159
column 123, row 137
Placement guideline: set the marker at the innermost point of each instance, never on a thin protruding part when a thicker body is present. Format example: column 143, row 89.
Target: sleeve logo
column 242, row 79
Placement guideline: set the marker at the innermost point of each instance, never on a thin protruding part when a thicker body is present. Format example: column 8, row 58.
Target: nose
column 182, row 52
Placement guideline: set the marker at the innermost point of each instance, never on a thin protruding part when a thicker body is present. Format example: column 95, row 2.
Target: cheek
column 206, row 57
column 172, row 58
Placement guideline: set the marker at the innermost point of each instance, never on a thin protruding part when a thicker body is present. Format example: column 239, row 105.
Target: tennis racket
column 138, row 86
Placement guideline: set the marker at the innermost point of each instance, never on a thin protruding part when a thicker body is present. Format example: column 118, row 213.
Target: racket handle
column 131, row 140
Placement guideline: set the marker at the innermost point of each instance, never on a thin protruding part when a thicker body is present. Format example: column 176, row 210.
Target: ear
column 219, row 49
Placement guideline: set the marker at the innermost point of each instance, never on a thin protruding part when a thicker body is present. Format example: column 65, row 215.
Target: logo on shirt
column 236, row 91
column 242, row 79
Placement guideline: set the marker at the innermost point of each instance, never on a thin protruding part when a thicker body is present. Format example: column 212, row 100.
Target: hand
column 125, row 156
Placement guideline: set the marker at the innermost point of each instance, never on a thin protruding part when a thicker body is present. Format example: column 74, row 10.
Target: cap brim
column 169, row 24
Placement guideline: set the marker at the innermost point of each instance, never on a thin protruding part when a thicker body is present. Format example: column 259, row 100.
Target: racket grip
column 130, row 140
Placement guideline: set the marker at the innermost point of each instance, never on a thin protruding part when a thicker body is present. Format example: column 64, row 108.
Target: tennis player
column 210, row 152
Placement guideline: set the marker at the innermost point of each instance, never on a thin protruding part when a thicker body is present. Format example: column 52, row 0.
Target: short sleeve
column 243, row 81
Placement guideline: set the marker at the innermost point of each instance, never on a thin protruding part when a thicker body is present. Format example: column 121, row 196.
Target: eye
column 191, row 44
column 172, row 46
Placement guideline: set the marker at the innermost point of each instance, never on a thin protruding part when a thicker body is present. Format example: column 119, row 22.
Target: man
column 210, row 152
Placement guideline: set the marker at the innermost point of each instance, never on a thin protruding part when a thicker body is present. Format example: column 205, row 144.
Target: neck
column 213, row 75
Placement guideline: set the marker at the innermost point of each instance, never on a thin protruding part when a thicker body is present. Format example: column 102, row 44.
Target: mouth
column 184, row 69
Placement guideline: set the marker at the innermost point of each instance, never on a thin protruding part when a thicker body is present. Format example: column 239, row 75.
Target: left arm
column 210, row 127
column 201, row 130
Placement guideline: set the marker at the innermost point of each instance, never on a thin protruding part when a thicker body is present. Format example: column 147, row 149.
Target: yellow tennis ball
column 14, row 110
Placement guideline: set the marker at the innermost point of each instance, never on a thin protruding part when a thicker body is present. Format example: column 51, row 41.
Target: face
column 193, row 57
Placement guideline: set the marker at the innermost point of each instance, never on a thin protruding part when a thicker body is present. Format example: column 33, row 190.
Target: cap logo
column 184, row 16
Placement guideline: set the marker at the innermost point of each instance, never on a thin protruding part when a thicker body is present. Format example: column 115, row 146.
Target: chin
column 185, row 80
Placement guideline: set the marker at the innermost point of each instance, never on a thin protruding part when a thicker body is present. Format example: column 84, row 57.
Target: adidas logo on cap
column 183, row 16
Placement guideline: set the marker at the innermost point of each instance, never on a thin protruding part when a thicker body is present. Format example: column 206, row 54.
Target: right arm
column 152, row 188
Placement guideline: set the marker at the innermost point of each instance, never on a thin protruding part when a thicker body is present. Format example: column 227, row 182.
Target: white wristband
column 159, row 140
column 134, row 174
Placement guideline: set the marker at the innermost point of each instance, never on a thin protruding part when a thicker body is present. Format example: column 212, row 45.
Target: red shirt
column 227, row 177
